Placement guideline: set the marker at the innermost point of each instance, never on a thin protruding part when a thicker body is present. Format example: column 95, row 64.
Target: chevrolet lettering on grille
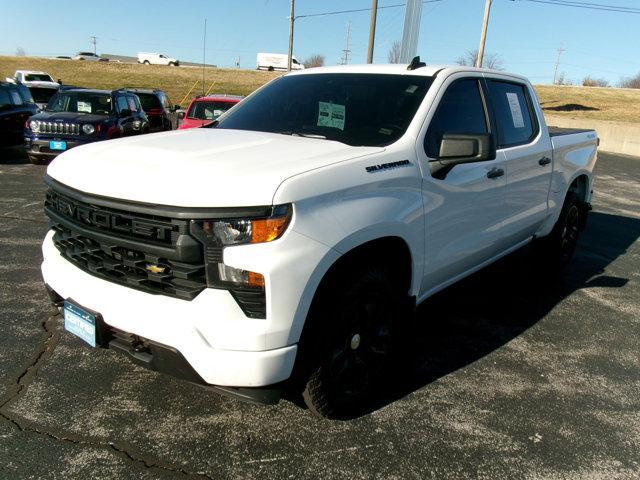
column 96, row 217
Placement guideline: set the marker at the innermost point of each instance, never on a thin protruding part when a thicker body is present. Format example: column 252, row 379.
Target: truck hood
column 200, row 167
column 72, row 117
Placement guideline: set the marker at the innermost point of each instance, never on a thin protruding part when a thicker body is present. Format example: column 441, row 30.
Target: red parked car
column 204, row 110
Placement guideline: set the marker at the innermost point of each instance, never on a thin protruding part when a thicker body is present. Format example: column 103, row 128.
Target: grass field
column 622, row 105
column 176, row 81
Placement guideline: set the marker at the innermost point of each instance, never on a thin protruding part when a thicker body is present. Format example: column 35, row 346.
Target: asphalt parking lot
column 514, row 373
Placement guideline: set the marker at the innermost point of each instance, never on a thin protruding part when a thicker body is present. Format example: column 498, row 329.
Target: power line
column 588, row 6
column 338, row 12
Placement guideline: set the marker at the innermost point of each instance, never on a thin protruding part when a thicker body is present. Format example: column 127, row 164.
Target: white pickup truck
column 40, row 84
column 282, row 246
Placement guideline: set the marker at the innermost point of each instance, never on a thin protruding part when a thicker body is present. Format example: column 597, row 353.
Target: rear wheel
column 558, row 247
column 350, row 343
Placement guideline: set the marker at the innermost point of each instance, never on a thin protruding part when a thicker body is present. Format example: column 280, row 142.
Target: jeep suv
column 76, row 116
column 16, row 106
column 156, row 104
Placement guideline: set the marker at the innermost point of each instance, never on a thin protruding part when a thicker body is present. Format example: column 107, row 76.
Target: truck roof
column 400, row 69
column 36, row 72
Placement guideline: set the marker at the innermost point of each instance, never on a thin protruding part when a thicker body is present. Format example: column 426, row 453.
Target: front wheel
column 352, row 342
column 146, row 62
column 36, row 160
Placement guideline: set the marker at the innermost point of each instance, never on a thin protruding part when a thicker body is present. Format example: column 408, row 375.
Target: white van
column 277, row 61
column 157, row 59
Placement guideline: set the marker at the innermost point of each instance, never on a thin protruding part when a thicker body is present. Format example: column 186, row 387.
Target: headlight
column 35, row 126
column 88, row 129
column 217, row 234
column 248, row 230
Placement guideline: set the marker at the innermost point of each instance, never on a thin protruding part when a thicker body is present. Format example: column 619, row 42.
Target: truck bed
column 558, row 131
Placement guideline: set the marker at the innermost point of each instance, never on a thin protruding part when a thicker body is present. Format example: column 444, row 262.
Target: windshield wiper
column 305, row 135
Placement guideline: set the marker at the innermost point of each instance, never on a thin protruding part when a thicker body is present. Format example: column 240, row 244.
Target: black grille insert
column 133, row 268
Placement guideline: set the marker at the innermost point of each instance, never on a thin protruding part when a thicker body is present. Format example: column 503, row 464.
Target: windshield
column 42, row 95
column 37, row 77
column 81, row 102
column 353, row 108
column 208, row 110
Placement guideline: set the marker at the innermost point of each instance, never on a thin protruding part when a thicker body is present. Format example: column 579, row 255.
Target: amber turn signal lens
column 268, row 229
column 255, row 279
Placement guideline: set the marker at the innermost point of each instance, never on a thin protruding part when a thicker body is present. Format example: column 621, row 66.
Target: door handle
column 544, row 161
column 495, row 173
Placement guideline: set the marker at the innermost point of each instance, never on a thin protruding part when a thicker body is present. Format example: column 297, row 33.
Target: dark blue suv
column 75, row 116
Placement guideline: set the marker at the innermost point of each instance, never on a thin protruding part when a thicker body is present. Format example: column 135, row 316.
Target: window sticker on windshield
column 331, row 115
column 84, row 107
column 411, row 88
column 516, row 110
column 217, row 113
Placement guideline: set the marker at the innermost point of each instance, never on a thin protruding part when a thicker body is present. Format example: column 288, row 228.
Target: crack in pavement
column 44, row 351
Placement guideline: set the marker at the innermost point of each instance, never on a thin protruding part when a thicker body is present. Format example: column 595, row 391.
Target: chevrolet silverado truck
column 284, row 245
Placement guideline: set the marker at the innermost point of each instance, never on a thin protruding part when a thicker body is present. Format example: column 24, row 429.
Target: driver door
column 465, row 207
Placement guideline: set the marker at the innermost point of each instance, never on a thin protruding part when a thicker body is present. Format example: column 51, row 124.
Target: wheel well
column 579, row 186
column 391, row 252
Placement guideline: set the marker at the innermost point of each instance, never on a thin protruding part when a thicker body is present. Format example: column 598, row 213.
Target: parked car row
column 50, row 117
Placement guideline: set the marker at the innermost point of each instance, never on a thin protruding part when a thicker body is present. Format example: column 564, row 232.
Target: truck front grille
column 130, row 267
column 154, row 253
column 62, row 128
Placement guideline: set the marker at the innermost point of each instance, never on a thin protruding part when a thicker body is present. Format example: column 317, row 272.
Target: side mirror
column 125, row 112
column 181, row 115
column 457, row 148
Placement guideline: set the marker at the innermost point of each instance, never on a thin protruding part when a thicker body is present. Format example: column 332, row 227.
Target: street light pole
column 291, row 20
column 372, row 30
column 483, row 36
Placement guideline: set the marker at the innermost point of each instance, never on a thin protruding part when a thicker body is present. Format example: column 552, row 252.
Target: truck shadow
column 469, row 320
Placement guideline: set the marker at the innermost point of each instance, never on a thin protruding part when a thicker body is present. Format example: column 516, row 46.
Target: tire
column 349, row 347
column 172, row 64
column 35, row 160
column 556, row 249
column 146, row 62
column 270, row 69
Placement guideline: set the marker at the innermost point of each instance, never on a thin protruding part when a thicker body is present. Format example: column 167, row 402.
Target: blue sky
column 525, row 35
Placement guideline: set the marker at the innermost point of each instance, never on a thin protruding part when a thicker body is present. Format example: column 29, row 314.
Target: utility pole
column 93, row 41
column 372, row 30
column 292, row 19
column 204, row 52
column 345, row 57
column 555, row 70
column 483, row 36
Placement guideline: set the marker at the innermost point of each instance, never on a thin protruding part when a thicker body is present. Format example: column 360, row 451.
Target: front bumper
column 40, row 146
column 195, row 329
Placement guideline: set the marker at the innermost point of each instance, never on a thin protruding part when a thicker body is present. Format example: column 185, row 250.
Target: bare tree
column 589, row 81
column 20, row 52
column 563, row 80
column 314, row 61
column 490, row 60
column 394, row 52
column 631, row 82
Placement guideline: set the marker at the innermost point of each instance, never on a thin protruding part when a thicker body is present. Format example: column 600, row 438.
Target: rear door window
column 461, row 110
column 513, row 112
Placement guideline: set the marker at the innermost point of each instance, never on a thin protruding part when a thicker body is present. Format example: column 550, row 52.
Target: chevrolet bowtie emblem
column 155, row 268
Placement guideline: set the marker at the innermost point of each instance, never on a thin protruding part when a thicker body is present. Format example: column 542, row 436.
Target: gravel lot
column 510, row 374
